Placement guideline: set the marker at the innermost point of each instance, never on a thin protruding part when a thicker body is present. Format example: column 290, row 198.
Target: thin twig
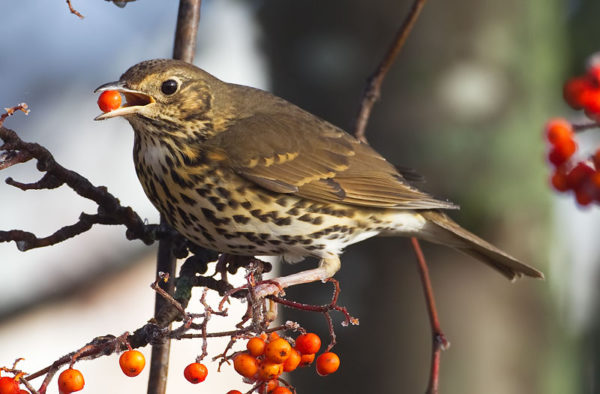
column 324, row 309
column 438, row 339
column 373, row 89
column 585, row 126
column 370, row 95
column 164, row 278
column 73, row 10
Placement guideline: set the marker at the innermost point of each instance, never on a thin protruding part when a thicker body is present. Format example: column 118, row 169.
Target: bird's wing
column 303, row 155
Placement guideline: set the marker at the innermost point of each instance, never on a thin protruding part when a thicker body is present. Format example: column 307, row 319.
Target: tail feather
column 443, row 230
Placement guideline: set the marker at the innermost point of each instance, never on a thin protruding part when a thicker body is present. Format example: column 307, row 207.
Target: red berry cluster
column 267, row 357
column 583, row 92
column 10, row 385
column 581, row 177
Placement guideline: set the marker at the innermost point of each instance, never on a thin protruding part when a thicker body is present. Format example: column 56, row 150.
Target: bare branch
column 188, row 18
column 110, row 211
column 438, row 339
column 73, row 10
column 371, row 94
column 373, row 89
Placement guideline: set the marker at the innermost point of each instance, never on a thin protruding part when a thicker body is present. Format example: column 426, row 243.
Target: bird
column 241, row 171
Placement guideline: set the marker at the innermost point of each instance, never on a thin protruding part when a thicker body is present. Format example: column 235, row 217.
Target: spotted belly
column 222, row 211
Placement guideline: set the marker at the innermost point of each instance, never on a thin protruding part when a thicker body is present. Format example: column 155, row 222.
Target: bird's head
column 165, row 96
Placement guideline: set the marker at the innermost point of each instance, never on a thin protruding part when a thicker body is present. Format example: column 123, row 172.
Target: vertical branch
column 439, row 340
column 187, row 30
column 159, row 360
column 373, row 89
column 184, row 49
column 370, row 95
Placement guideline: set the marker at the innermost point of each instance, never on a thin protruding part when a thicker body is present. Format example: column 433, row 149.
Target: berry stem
column 585, row 126
column 324, row 309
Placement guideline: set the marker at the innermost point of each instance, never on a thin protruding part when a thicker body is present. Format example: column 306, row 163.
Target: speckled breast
column 220, row 210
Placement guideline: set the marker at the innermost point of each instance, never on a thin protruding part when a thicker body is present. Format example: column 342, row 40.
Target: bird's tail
column 443, row 230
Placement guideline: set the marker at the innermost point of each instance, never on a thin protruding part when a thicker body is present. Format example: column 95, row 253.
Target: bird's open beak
column 134, row 100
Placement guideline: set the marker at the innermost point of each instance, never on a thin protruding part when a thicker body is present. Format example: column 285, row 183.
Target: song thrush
column 239, row 170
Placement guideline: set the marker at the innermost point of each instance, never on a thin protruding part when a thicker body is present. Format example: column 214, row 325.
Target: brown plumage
column 241, row 171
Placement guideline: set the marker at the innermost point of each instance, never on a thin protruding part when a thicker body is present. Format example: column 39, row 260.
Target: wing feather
column 293, row 152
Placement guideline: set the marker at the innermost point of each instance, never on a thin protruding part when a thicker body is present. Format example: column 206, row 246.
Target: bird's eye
column 169, row 86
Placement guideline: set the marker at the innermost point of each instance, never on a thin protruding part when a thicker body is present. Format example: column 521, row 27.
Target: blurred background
column 464, row 105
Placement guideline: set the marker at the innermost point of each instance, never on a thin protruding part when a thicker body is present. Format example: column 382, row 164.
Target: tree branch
column 110, row 211
column 373, row 89
column 439, row 341
column 184, row 49
column 370, row 96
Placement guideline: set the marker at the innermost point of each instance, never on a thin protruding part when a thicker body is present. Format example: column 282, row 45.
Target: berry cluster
column 583, row 92
column 10, row 385
column 267, row 357
column 572, row 173
column 581, row 177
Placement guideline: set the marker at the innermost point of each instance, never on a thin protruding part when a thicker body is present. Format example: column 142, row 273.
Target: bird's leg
column 328, row 266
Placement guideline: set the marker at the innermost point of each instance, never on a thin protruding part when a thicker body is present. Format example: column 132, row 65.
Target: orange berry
column 245, row 365
column 596, row 159
column 256, row 346
column 109, row 100
column 278, row 350
column 282, row 390
column 579, row 175
column 234, row 392
column 592, row 103
column 272, row 336
column 327, row 363
column 562, row 152
column 269, row 385
column 8, row 385
column 132, row 362
column 308, row 343
column 195, row 373
column 595, row 181
column 292, row 361
column 558, row 130
column 575, row 91
column 593, row 73
column 307, row 359
column 70, row 380
column 583, row 196
column 559, row 181
column 269, row 370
